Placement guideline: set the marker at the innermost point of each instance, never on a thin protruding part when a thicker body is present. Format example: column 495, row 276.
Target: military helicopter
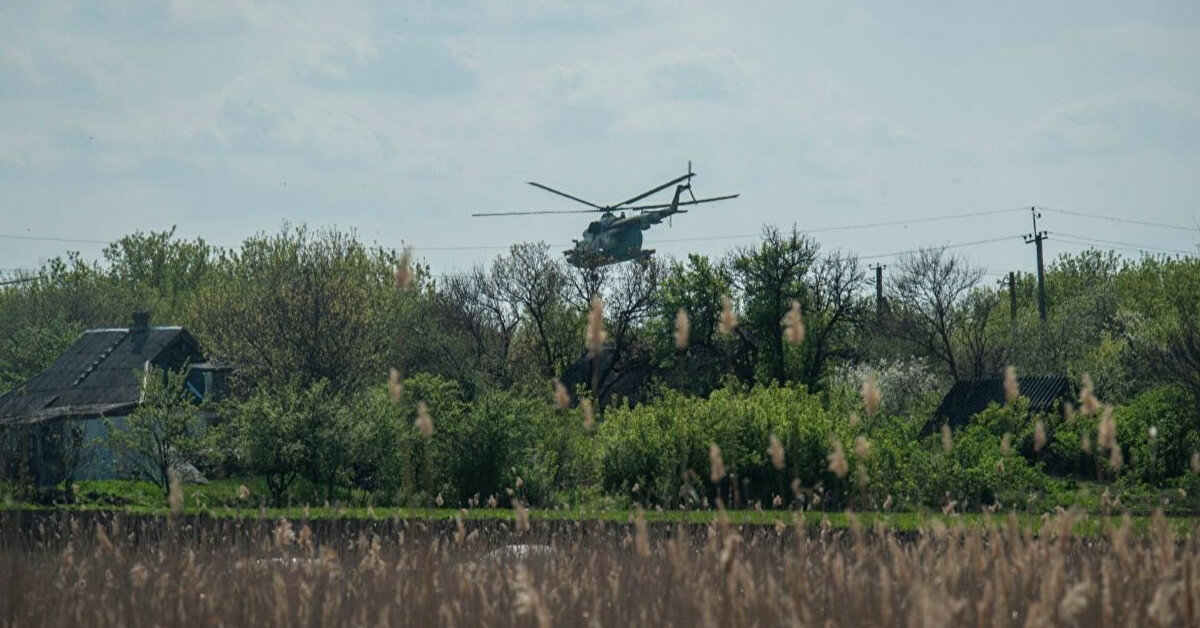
column 618, row 238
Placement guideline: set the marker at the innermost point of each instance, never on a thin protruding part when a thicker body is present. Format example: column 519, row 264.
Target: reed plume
column 728, row 319
column 596, row 334
column 424, row 422
column 793, row 325
column 683, row 328
column 870, row 394
column 1012, row 387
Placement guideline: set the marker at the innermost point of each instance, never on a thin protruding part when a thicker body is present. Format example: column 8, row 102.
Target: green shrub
column 1167, row 409
column 663, row 447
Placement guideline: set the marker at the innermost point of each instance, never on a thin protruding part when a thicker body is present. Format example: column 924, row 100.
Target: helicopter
column 616, row 238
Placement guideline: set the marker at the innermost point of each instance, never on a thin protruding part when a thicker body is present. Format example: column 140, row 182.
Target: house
column 99, row 378
column 972, row 396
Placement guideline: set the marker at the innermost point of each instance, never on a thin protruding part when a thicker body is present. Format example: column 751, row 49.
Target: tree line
column 314, row 320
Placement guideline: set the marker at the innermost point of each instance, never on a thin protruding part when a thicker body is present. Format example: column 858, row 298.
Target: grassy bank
column 226, row 499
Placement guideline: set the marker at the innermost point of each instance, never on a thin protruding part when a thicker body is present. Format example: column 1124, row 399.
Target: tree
column 160, row 269
column 927, row 297
column 162, row 433
column 75, row 451
column 300, row 304
column 473, row 305
column 277, row 433
column 771, row 275
column 696, row 287
column 532, row 281
column 833, row 311
column 630, row 298
column 1168, row 346
column 982, row 342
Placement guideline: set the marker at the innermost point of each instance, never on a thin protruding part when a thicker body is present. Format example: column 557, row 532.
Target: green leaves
column 163, row 432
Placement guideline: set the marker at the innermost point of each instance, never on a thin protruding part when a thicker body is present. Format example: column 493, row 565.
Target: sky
column 225, row 118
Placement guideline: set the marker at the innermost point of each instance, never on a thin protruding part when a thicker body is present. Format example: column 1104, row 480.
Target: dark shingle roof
column 98, row 374
column 972, row 396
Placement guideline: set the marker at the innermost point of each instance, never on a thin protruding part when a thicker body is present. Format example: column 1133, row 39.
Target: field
column 94, row 568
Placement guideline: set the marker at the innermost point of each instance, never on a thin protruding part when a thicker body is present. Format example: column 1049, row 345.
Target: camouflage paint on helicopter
column 618, row 238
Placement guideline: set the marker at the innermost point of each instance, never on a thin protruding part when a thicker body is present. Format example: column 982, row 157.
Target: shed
column 97, row 378
column 972, row 396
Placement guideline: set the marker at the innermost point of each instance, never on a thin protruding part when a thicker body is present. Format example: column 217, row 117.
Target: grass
column 100, row 569
column 219, row 499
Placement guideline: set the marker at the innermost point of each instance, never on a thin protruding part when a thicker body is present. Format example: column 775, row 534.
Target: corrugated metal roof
column 970, row 397
column 98, row 374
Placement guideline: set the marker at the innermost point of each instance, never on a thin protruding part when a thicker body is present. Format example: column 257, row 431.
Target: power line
column 52, row 239
column 943, row 246
column 1122, row 244
column 1133, row 221
column 468, row 248
column 868, row 225
column 1131, row 246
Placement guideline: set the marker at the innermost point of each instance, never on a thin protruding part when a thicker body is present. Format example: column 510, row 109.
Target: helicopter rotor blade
column 554, row 191
column 654, row 191
column 682, row 203
column 552, row 211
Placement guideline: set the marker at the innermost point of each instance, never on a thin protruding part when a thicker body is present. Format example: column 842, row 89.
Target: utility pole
column 1036, row 238
column 1012, row 295
column 878, row 268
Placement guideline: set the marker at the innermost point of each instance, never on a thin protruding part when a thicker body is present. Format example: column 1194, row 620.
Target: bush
column 663, row 447
column 1167, row 409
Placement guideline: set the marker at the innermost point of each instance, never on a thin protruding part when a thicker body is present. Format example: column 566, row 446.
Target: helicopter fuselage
column 609, row 240
column 614, row 239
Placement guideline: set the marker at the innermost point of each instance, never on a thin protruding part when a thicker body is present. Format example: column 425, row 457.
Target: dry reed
column 728, row 319
column 596, row 335
column 1012, row 387
column 105, row 570
column 870, row 394
column 683, row 327
column 793, row 325
column 424, row 422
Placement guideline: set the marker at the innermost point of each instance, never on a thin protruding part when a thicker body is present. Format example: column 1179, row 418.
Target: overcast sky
column 400, row 119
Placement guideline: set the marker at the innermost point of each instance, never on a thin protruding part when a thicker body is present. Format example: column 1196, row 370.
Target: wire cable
column 942, row 246
column 52, row 239
column 869, row 225
column 1133, row 221
column 1078, row 239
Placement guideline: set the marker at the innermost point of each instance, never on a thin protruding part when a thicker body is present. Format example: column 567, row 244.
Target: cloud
column 263, row 121
column 225, row 15
column 1154, row 40
column 422, row 68
column 660, row 97
column 55, row 63
column 1120, row 124
column 702, row 75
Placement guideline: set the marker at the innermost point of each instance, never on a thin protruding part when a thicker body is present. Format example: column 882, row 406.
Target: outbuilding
column 54, row 425
column 971, row 396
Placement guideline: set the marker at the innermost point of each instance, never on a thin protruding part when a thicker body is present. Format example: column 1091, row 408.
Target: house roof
column 98, row 374
column 972, row 396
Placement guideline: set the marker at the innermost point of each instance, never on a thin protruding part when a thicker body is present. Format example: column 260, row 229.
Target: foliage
column 313, row 320
column 275, row 431
column 663, row 447
column 163, row 432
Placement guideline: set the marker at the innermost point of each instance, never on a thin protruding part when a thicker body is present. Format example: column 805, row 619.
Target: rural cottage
column 53, row 425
